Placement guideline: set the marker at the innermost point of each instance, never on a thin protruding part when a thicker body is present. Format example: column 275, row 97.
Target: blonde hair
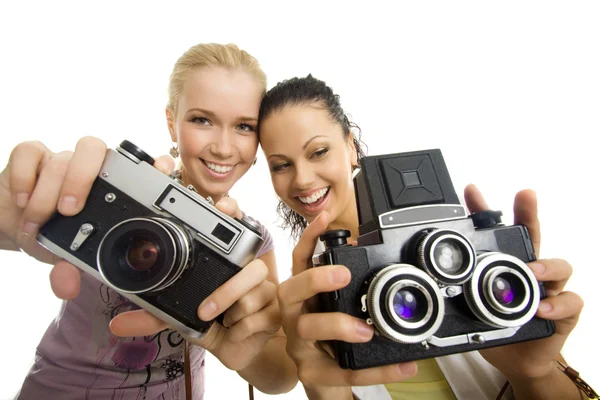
column 206, row 55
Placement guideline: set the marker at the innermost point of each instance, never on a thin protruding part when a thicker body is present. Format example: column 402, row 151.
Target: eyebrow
column 303, row 147
column 212, row 115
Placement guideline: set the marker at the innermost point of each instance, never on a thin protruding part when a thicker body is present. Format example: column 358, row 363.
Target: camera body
column 430, row 278
column 156, row 242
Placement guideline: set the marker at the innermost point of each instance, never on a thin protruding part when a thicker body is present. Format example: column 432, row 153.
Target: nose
column 304, row 177
column 223, row 146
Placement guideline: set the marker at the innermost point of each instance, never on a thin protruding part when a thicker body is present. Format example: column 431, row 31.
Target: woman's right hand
column 305, row 330
column 37, row 182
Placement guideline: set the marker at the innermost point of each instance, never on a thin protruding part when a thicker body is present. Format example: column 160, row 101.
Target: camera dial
column 335, row 238
column 134, row 153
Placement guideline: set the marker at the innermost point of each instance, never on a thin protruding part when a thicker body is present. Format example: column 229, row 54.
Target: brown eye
column 320, row 153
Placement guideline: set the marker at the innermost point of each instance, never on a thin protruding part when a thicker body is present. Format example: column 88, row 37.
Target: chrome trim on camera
column 83, row 233
column 391, row 293
column 415, row 215
column 375, row 293
column 127, row 154
column 453, row 235
column 475, row 299
column 488, row 280
column 172, row 322
column 473, row 338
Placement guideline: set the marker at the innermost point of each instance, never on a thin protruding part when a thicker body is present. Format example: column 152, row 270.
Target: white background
column 510, row 91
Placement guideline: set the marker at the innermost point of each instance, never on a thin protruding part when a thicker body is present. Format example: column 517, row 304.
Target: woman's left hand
column 535, row 359
column 251, row 316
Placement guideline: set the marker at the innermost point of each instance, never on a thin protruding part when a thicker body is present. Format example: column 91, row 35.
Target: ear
column 171, row 124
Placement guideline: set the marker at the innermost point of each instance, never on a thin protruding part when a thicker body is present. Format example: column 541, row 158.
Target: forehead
column 233, row 92
column 291, row 127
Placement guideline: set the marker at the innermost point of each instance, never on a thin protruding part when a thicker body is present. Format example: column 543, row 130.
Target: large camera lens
column 503, row 292
column 142, row 255
column 405, row 304
column 446, row 255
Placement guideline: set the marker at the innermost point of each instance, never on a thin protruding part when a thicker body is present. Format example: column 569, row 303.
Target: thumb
column 229, row 206
column 302, row 254
column 164, row 164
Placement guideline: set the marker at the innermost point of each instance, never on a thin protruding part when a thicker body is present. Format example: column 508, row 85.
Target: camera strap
column 187, row 370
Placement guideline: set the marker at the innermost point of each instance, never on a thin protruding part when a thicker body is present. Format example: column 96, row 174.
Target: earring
column 254, row 162
column 174, row 150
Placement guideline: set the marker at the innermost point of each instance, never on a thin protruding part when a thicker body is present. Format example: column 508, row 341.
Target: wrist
column 554, row 384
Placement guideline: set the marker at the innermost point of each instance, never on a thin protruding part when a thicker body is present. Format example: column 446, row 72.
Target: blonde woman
column 214, row 97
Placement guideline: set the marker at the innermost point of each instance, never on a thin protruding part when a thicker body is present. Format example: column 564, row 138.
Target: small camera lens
column 446, row 255
column 143, row 255
column 405, row 304
column 503, row 292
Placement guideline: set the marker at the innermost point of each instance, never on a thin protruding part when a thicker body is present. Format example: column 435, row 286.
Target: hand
column 304, row 330
column 535, row 359
column 251, row 317
column 37, row 182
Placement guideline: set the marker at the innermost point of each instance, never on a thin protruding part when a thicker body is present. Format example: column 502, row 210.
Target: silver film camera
column 430, row 278
column 154, row 241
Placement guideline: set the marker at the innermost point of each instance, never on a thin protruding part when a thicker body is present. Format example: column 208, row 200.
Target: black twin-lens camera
column 156, row 242
column 430, row 278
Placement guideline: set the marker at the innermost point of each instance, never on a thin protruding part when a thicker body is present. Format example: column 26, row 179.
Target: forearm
column 555, row 385
column 272, row 371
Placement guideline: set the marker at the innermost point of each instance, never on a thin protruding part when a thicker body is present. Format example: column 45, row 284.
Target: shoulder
column 268, row 244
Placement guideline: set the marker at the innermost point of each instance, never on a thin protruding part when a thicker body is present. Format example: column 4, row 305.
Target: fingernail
column 363, row 330
column 68, row 204
column 537, row 267
column 408, row 369
column 30, row 228
column 545, row 307
column 21, row 199
column 338, row 276
column 207, row 311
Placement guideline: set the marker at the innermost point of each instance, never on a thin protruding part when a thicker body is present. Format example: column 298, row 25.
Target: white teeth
column 218, row 168
column 315, row 196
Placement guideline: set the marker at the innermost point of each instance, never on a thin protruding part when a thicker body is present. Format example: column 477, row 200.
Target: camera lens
column 503, row 292
column 446, row 255
column 405, row 304
column 142, row 255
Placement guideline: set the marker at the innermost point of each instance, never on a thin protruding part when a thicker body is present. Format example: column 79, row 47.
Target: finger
column 164, row 164
column 83, row 169
column 555, row 273
column 230, row 207
column 303, row 252
column 565, row 307
column 302, row 287
column 324, row 371
column 334, row 326
column 65, row 280
column 526, row 213
column 44, row 198
column 231, row 291
column 267, row 320
column 474, row 199
column 251, row 302
column 136, row 323
column 24, row 161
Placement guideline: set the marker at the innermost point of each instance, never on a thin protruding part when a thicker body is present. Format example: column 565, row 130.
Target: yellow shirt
column 428, row 384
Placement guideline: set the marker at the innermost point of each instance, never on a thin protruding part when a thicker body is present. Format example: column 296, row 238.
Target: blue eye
column 280, row 167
